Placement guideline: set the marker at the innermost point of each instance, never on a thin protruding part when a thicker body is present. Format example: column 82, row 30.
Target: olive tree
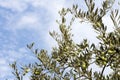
column 72, row 61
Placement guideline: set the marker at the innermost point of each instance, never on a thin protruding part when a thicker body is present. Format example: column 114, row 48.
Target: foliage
column 72, row 60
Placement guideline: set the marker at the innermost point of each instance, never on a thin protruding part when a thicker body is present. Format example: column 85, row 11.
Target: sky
column 25, row 21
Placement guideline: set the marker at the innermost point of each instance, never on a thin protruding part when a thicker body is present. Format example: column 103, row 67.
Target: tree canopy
column 72, row 61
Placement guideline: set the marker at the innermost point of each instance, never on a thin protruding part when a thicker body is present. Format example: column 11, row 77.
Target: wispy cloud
column 24, row 21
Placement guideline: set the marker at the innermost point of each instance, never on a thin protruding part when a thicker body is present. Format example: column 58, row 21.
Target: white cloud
column 83, row 31
column 23, row 20
column 108, row 22
column 4, row 68
column 9, row 56
column 2, row 61
column 28, row 21
column 15, row 5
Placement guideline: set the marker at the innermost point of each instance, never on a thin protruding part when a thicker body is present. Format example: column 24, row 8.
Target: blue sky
column 25, row 21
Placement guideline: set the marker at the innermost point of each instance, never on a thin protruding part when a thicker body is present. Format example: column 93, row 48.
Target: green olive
column 111, row 51
column 37, row 72
column 103, row 58
column 104, row 63
column 84, row 65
